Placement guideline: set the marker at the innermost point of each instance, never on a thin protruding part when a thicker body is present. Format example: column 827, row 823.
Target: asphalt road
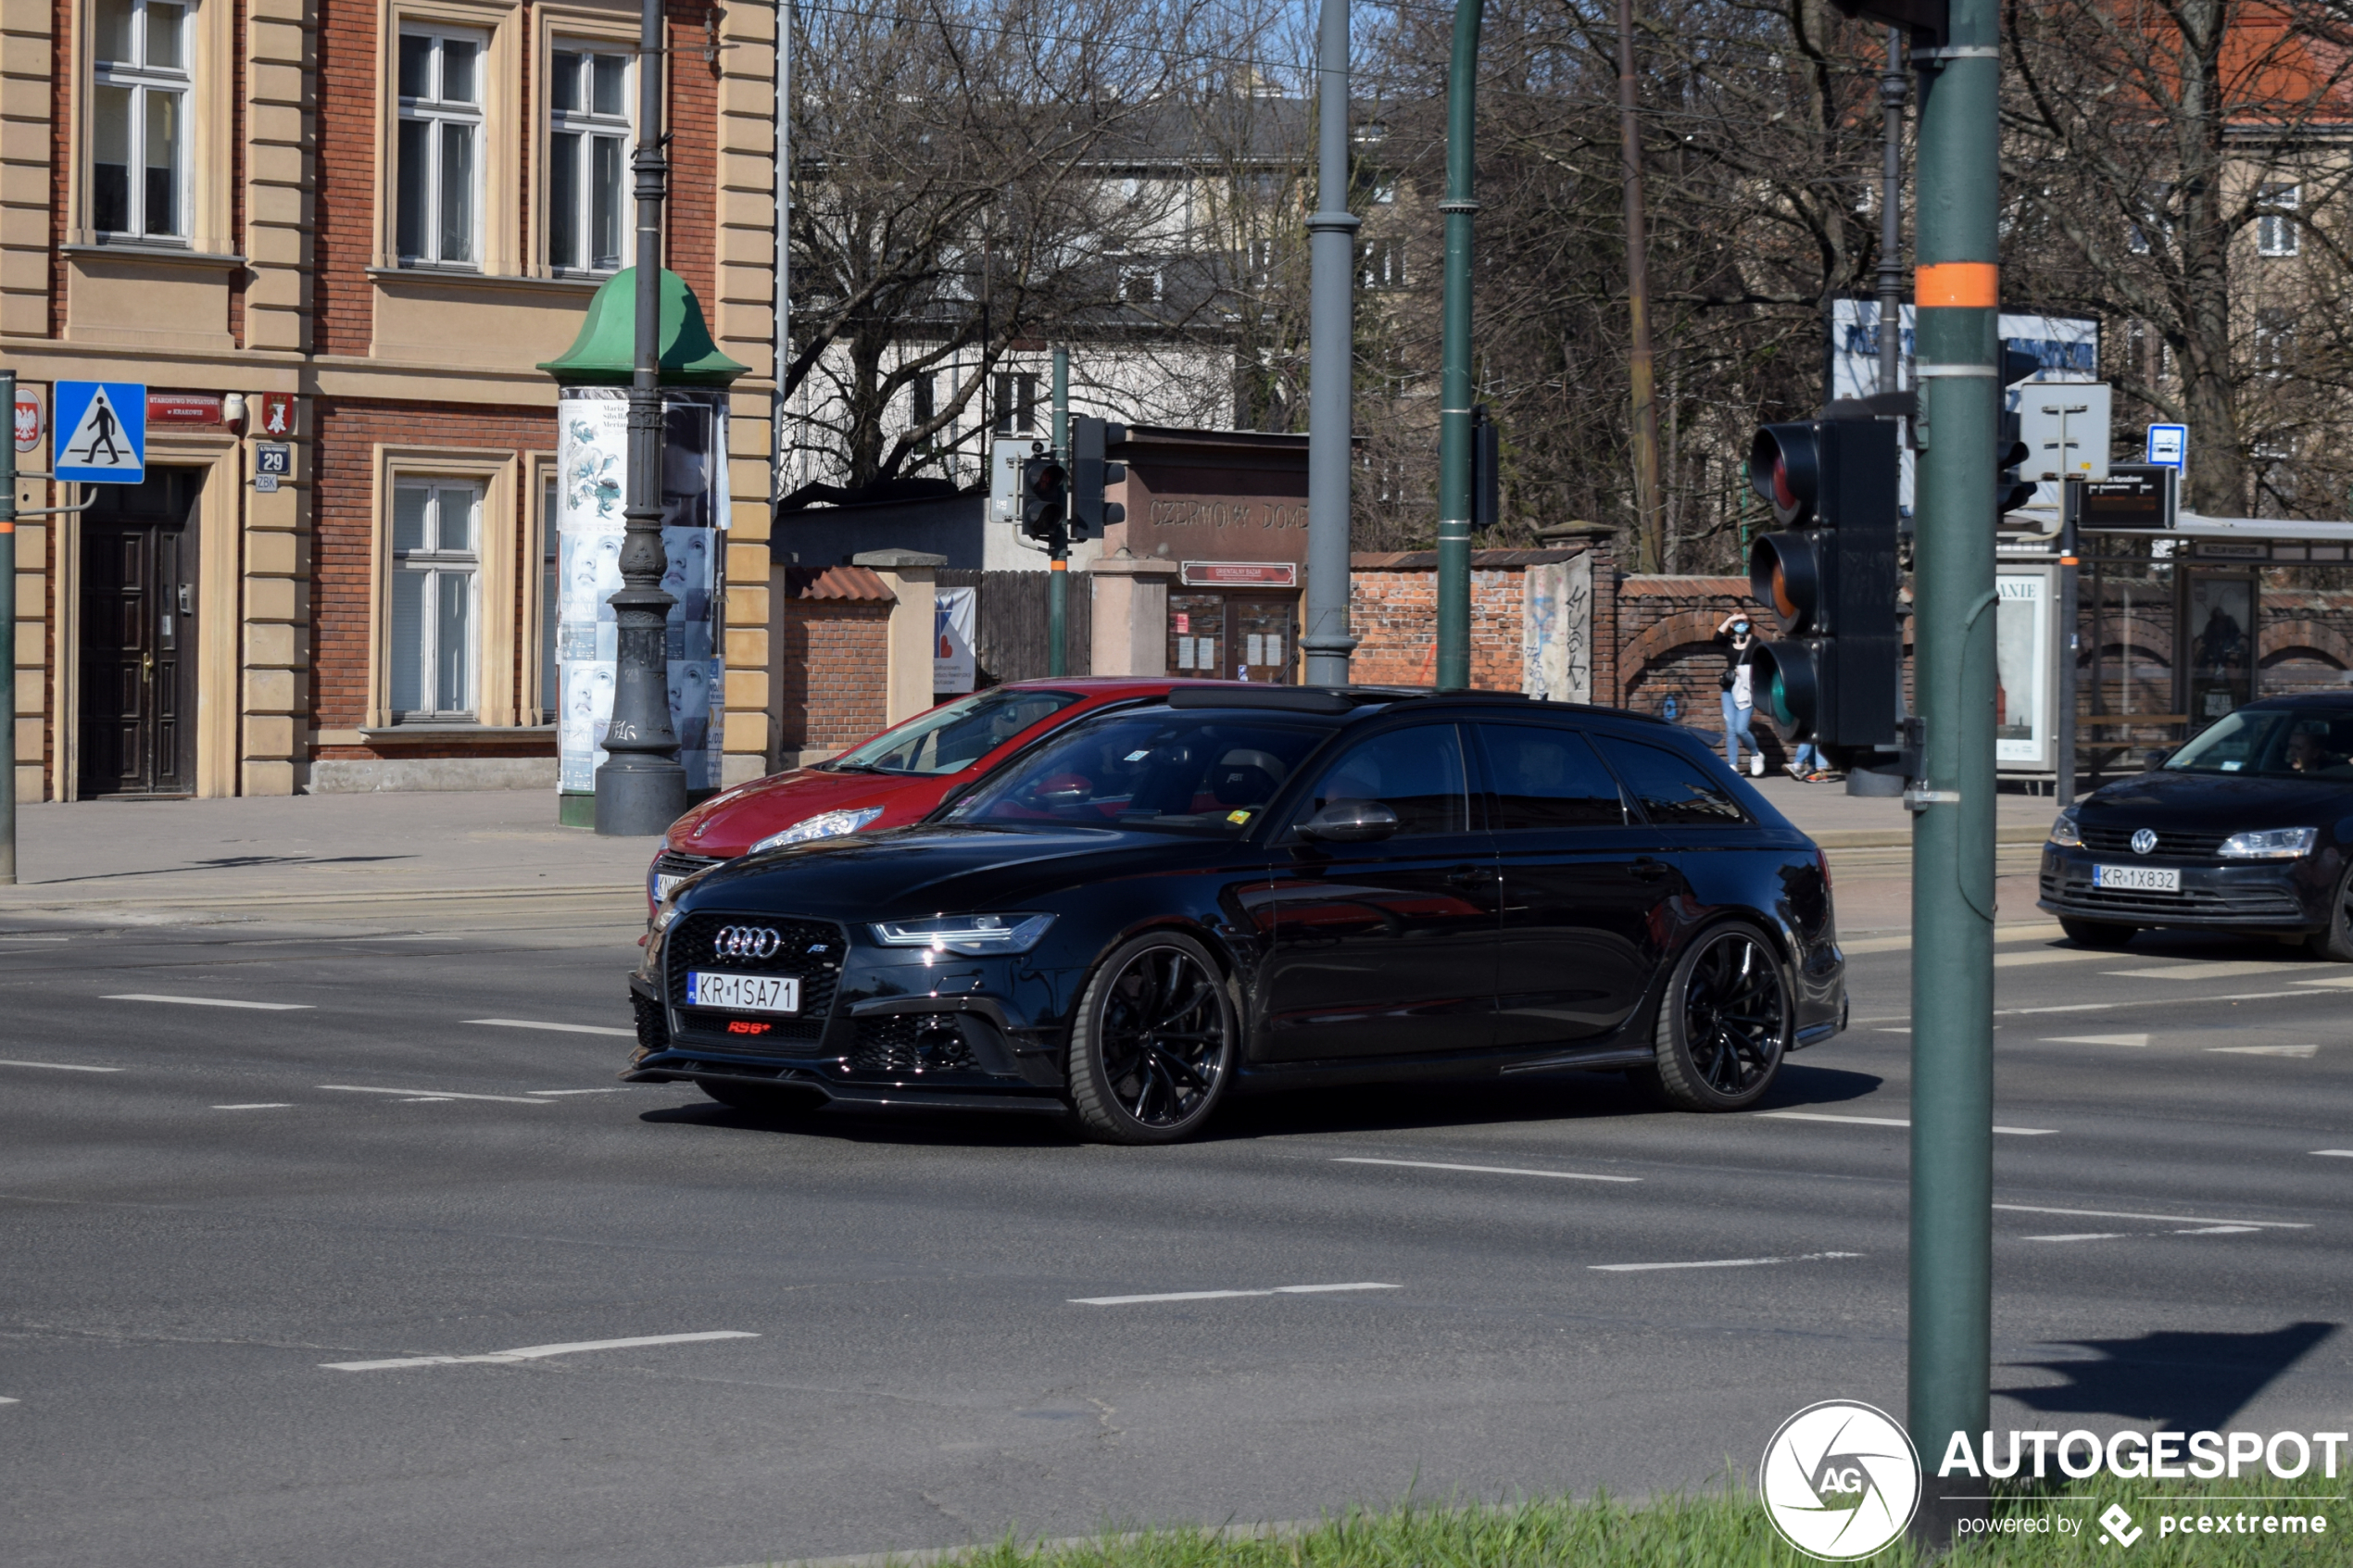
column 209, row 1209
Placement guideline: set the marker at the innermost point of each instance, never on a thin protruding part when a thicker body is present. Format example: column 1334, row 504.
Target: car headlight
column 825, row 825
column 2269, row 843
column 2064, row 833
column 975, row 934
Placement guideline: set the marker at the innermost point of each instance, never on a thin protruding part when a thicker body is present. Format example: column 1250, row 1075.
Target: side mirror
column 2157, row 757
column 1351, row 822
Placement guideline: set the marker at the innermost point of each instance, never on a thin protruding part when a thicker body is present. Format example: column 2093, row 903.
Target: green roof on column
column 605, row 351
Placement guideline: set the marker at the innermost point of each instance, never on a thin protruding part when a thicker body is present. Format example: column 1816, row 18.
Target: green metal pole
column 8, row 637
column 1957, row 291
column 1058, row 548
column 1454, row 374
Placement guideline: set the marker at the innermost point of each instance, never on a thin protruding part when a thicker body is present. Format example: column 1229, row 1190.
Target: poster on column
column 592, row 488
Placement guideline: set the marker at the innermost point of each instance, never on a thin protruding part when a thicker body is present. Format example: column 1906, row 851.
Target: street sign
column 102, row 433
column 272, row 456
column 2169, row 445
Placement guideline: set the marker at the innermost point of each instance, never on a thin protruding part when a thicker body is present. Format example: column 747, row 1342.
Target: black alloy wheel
column 1724, row 1023
column 1154, row 1043
column 2335, row 942
column 2098, row 934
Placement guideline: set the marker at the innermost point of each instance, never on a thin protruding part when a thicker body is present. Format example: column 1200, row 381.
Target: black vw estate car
column 2248, row 827
column 1243, row 888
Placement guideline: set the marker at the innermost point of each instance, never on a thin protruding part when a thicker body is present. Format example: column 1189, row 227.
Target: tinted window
column 1416, row 773
column 1669, row 789
column 1546, row 778
column 955, row 734
column 2279, row 742
column 1154, row 769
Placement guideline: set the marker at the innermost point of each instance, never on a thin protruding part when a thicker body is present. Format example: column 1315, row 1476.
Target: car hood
column 2216, row 802
column 732, row 822
column 936, row 870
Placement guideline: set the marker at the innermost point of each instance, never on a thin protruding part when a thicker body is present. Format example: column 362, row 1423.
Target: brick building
column 370, row 219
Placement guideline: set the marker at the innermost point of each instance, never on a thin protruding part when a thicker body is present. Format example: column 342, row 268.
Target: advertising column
column 593, row 464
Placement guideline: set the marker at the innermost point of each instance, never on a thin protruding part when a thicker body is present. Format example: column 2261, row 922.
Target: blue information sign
column 101, row 430
column 2169, row 445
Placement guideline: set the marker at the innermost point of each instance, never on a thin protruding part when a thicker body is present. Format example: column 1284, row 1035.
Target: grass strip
column 1725, row 1527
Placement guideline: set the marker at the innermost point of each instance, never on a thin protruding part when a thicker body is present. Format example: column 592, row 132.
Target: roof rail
column 1293, row 699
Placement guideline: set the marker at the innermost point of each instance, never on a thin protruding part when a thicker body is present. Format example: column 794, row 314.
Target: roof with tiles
column 855, row 583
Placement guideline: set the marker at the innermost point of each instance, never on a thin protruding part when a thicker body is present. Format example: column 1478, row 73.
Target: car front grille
column 809, row 950
column 2251, row 904
column 2172, row 842
column 672, row 863
column 911, row 1044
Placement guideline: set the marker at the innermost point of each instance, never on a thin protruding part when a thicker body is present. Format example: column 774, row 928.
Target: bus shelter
column 2173, row 629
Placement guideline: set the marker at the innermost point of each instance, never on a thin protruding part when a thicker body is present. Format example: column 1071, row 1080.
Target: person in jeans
column 1807, row 762
column 1738, row 685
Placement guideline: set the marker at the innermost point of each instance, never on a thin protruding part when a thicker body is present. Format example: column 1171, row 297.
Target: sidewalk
column 1836, row 820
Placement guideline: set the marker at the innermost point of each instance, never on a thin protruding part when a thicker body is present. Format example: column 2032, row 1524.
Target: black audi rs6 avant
column 1245, row 888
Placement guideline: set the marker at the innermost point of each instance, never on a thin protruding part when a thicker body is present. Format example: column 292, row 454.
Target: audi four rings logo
column 2143, row 841
column 747, row 942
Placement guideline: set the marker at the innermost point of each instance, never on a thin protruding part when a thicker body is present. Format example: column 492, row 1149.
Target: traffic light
column 1090, row 513
column 1829, row 578
column 1045, row 488
column 1487, row 471
column 2010, row 492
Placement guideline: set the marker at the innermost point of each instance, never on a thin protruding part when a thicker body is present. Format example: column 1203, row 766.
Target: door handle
column 1648, row 870
column 146, row 666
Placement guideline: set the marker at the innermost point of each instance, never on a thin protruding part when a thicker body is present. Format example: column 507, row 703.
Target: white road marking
column 2167, row 1219
column 2337, row 1153
column 1890, row 1121
column 2085, row 1235
column 1222, row 1294
column 2047, row 955
column 2097, row 1040
column 61, row 1066
column 430, row 1094
column 7, row 1401
column 2265, row 1050
column 426, row 1100
column 2195, row 971
column 1717, row 1263
column 616, row 1089
column 260, row 1105
column 210, row 1002
column 557, row 1028
column 2157, row 1001
column 538, row 1353
column 2220, row 1230
column 2337, row 982
column 1904, row 1029
column 1482, row 1169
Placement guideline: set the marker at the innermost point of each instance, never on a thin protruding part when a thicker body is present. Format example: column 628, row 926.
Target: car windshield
column 1175, row 772
column 2274, row 742
column 956, row 736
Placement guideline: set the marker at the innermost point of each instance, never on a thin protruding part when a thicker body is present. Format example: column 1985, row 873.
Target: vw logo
column 746, row 942
column 2143, row 841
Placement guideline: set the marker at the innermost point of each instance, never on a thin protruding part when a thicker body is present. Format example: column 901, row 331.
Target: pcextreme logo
column 1840, row 1480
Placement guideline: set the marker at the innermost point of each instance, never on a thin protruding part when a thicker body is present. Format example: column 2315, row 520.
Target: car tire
column 1724, row 1025
column 2334, row 941
column 2098, row 934
column 1154, row 1043
column 760, row 1100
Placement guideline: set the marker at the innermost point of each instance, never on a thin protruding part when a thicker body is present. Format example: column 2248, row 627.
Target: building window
column 139, row 119
column 587, row 142
column 436, row 567
column 1140, row 285
column 2274, row 341
column 1016, row 403
column 2275, row 231
column 438, row 198
column 1382, row 264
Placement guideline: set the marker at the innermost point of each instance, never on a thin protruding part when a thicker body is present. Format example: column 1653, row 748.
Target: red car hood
column 733, row 820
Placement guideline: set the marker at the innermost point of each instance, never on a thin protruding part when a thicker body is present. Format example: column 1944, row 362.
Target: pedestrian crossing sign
column 101, row 432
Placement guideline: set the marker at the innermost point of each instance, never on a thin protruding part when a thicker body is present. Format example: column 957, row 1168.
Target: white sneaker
column 1757, row 767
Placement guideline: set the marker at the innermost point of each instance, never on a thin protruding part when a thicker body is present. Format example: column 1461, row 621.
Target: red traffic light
column 1785, row 467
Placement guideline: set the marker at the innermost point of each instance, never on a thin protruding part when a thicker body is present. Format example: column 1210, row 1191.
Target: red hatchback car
column 894, row 779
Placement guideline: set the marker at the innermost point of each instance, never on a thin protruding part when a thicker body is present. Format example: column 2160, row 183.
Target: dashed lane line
column 432, row 1094
column 2264, row 1050
column 208, row 1002
column 61, row 1066
column 538, row 1353
column 2335, row 1153
column 1718, row 1263
column 555, row 1028
column 2160, row 1219
column 2083, row 1235
column 1481, row 1169
column 260, row 1105
column 1223, row 1295
column 1890, row 1121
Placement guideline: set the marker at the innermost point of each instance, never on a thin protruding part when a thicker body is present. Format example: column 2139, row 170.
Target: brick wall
column 348, row 434
column 344, row 170
column 834, row 658
column 1665, row 647
column 1393, row 612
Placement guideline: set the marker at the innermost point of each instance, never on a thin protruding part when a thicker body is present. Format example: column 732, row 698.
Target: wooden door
column 138, row 675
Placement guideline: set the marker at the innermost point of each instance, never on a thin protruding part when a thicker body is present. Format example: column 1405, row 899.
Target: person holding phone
column 1739, row 685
